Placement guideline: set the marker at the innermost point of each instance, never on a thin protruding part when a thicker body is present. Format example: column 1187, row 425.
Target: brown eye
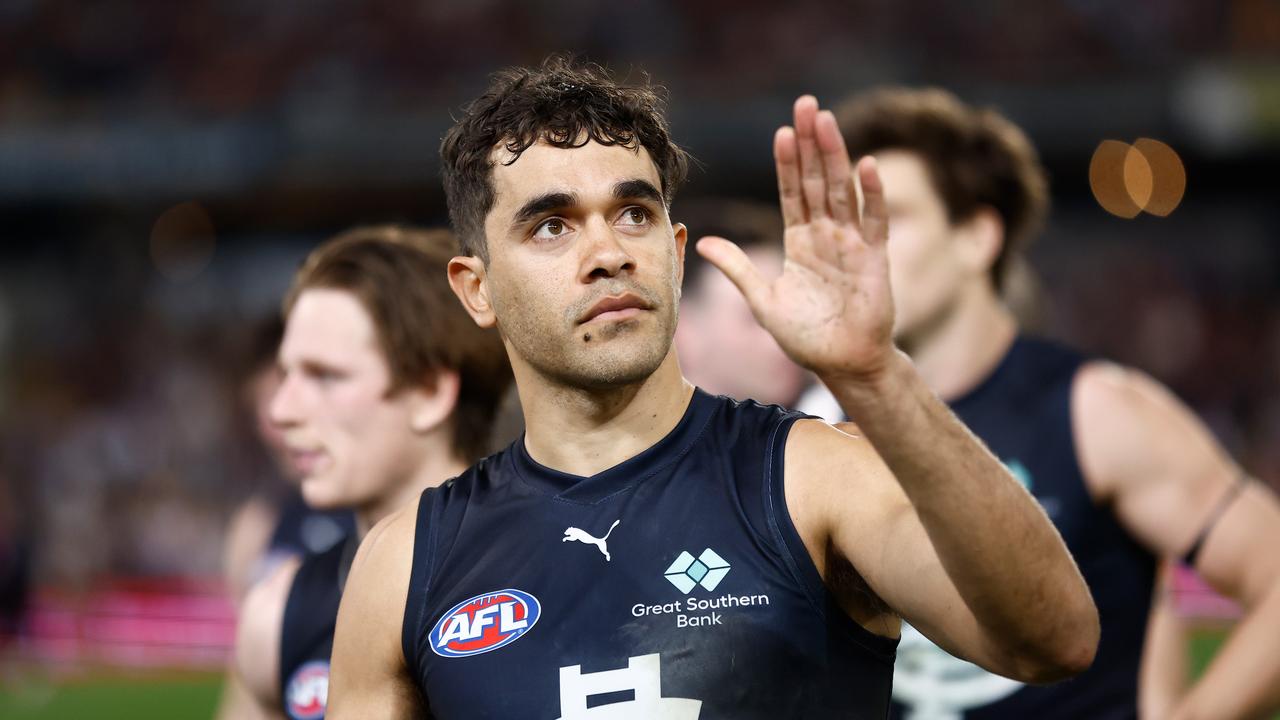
column 552, row 228
column 636, row 216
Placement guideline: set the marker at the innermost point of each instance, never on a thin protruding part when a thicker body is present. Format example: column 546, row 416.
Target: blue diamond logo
column 707, row 570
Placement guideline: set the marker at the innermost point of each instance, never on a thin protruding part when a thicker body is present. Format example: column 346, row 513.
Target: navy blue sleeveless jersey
column 1023, row 413
column 672, row 585
column 306, row 634
column 300, row 530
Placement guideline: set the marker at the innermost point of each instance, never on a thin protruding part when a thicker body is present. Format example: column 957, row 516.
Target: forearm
column 997, row 546
column 1163, row 676
column 1243, row 681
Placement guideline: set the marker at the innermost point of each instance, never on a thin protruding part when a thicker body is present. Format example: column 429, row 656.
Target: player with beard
column 388, row 388
column 647, row 550
column 1123, row 469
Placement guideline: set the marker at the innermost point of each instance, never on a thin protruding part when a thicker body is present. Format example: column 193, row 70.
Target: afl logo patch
column 308, row 691
column 484, row 623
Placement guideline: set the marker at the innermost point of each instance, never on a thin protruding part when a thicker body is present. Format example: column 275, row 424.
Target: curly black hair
column 563, row 103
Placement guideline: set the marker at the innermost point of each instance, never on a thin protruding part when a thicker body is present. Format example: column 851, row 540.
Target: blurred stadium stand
column 257, row 128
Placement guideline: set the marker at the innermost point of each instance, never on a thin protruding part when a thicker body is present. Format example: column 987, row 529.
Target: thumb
column 734, row 263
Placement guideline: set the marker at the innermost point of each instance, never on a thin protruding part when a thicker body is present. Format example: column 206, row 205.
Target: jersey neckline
column 990, row 381
column 629, row 472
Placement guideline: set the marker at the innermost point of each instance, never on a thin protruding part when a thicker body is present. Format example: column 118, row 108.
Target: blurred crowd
column 64, row 59
column 125, row 436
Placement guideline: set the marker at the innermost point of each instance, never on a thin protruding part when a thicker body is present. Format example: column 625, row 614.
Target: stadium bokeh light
column 1147, row 176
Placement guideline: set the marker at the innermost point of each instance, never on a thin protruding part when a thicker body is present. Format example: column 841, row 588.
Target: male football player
column 388, row 388
column 647, row 550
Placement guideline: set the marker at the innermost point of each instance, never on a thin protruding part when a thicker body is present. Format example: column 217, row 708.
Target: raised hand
column 830, row 309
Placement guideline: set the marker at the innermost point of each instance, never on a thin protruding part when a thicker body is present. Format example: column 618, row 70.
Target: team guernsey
column 1023, row 413
column 306, row 635
column 672, row 586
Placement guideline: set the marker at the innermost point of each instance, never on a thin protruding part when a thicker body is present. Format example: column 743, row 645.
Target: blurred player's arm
column 238, row 703
column 252, row 690
column 368, row 676
column 1172, row 487
column 1163, row 675
column 248, row 535
column 925, row 514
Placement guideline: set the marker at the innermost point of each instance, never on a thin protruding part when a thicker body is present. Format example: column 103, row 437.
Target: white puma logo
column 582, row 536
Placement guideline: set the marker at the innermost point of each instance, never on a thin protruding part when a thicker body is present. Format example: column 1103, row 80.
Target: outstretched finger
column 812, row 178
column 875, row 211
column 787, row 159
column 841, row 198
column 734, row 263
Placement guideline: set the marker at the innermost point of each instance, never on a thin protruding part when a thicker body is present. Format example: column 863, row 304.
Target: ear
column 431, row 403
column 682, row 239
column 469, row 279
column 980, row 240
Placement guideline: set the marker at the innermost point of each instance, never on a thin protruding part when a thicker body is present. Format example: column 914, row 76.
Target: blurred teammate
column 648, row 550
column 722, row 349
column 1122, row 468
column 388, row 388
column 274, row 524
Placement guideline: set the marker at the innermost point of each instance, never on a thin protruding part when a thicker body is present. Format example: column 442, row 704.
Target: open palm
column 831, row 309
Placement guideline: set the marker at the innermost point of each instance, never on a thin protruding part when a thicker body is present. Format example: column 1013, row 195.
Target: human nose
column 283, row 410
column 605, row 255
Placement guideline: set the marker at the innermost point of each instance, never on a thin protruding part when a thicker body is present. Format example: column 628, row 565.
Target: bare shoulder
column 1101, row 386
column 248, row 533
column 835, row 480
column 1129, row 428
column 815, row 443
column 261, row 622
column 822, row 458
column 1109, row 396
column 378, row 586
column 388, row 547
column 369, row 675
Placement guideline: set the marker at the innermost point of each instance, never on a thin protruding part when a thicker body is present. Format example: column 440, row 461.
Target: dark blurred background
column 165, row 165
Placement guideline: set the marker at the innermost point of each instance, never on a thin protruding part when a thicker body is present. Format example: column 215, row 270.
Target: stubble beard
column 617, row 354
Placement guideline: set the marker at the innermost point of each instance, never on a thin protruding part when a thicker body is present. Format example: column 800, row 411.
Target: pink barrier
column 164, row 623
column 1195, row 600
column 187, row 623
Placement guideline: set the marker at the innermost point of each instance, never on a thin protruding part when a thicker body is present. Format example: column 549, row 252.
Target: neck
column 585, row 431
column 958, row 353
column 438, row 464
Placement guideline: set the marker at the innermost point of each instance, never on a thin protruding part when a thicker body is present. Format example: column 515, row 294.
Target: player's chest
column 641, row 601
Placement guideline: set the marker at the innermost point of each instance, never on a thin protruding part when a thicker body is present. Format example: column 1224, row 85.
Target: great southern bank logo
column 707, row 570
column 484, row 623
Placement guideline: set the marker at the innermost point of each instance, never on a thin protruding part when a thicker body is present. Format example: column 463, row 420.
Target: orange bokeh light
column 1129, row 179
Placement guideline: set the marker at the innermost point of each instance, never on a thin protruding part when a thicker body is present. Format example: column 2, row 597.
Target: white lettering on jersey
column 643, row 675
column 461, row 627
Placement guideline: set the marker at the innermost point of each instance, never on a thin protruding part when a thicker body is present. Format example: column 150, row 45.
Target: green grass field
column 193, row 697
column 107, row 697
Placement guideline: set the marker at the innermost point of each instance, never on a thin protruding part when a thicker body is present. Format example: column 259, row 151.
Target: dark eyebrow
column 542, row 203
column 637, row 190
